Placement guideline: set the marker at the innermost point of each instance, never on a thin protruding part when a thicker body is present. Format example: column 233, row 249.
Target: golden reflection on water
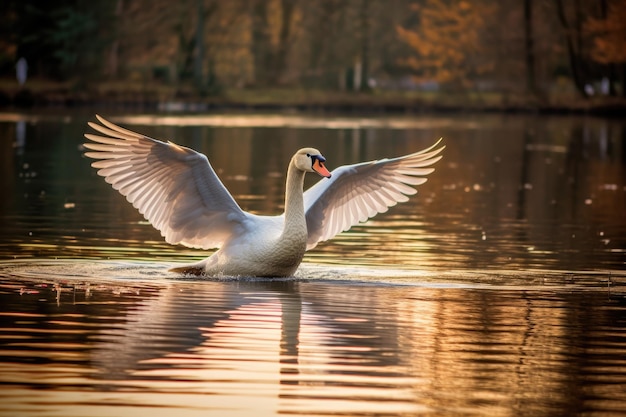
column 307, row 348
column 293, row 121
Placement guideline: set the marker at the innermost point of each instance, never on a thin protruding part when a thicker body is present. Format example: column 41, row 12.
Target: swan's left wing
column 357, row 192
column 174, row 187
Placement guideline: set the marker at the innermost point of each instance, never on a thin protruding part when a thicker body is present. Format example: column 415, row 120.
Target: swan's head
column 311, row 160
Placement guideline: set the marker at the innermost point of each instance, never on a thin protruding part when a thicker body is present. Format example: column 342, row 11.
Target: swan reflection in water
column 258, row 338
column 223, row 323
column 292, row 343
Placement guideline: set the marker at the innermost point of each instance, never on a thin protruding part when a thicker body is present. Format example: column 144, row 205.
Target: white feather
column 374, row 187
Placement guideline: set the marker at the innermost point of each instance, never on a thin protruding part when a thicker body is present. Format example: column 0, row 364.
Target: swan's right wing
column 174, row 187
column 358, row 192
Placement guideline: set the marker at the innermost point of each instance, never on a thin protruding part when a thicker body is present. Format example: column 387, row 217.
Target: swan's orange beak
column 318, row 166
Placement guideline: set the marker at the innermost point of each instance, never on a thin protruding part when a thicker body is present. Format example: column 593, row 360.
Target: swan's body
column 177, row 190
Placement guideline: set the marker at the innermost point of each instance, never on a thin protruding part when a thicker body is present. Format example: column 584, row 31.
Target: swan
column 177, row 190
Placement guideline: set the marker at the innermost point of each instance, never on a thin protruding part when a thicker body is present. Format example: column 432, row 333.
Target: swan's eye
column 308, row 155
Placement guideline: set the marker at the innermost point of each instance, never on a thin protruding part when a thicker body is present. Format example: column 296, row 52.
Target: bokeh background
column 510, row 53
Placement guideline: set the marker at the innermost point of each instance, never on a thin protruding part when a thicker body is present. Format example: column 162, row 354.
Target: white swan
column 177, row 190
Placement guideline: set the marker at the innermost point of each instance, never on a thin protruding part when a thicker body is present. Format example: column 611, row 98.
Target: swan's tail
column 188, row 270
column 199, row 268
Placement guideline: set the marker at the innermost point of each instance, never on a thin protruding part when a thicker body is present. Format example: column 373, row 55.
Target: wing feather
column 360, row 191
column 174, row 187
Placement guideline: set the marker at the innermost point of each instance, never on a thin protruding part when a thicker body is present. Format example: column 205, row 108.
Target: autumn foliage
column 609, row 35
column 447, row 41
column 510, row 46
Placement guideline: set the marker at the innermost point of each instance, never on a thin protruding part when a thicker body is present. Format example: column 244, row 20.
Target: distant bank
column 137, row 98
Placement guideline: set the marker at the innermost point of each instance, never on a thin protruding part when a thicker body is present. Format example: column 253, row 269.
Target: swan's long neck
column 295, row 222
column 287, row 251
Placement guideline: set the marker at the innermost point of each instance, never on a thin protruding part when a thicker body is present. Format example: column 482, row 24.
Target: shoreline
column 297, row 100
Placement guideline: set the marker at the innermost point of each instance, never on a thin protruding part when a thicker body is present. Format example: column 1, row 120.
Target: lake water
column 499, row 289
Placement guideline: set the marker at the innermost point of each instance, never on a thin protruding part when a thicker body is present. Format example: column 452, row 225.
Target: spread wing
column 174, row 187
column 357, row 192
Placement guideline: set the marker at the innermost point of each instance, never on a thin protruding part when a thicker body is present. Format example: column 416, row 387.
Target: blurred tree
column 609, row 39
column 447, row 41
column 363, row 61
column 325, row 50
column 25, row 28
column 272, row 38
column 8, row 36
column 198, row 68
column 60, row 39
column 504, row 46
column 284, row 40
column 508, row 46
column 261, row 43
column 573, row 38
column 180, row 42
column 75, row 40
column 112, row 66
column 531, row 85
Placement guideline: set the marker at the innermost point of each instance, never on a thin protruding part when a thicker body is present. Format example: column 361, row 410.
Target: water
column 499, row 290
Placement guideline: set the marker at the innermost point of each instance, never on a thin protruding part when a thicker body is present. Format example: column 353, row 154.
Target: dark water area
column 499, row 289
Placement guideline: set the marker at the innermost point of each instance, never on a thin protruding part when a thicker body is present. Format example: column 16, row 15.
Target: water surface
column 498, row 290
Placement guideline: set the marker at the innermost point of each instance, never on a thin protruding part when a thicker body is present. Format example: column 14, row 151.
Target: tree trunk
column 365, row 50
column 529, row 47
column 612, row 68
column 284, row 39
column 198, row 67
column 574, row 56
column 185, row 48
column 623, row 81
column 260, row 42
column 114, row 52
